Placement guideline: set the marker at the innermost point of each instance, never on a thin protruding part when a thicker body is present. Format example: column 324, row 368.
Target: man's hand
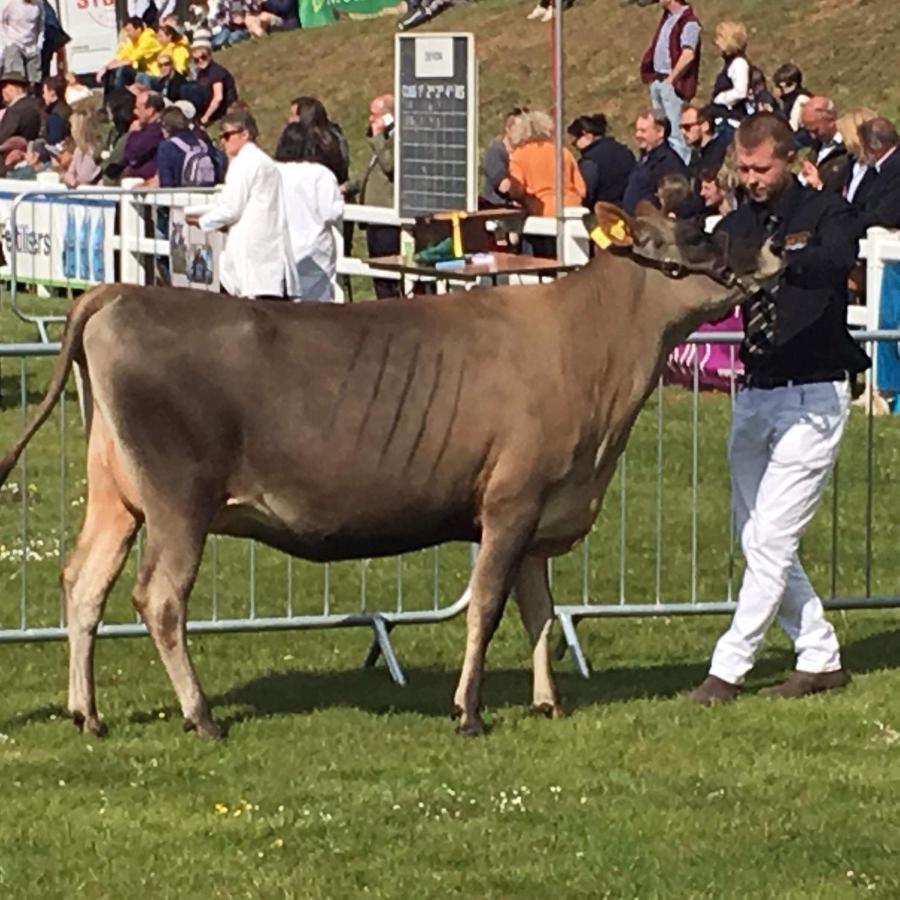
column 504, row 186
column 100, row 73
column 192, row 219
column 811, row 175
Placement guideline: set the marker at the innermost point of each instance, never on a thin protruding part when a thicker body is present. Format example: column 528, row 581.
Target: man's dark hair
column 761, row 127
column 878, row 134
column 135, row 22
column 659, row 119
column 595, row 124
column 241, row 120
column 788, row 74
column 706, row 115
column 154, row 101
column 173, row 119
column 173, row 33
column 57, row 84
column 120, row 108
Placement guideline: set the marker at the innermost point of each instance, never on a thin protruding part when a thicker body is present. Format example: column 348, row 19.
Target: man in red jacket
column 671, row 66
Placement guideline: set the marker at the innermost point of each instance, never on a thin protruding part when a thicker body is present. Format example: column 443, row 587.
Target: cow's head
column 680, row 248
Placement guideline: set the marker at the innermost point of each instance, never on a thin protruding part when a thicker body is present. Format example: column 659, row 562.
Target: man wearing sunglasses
column 257, row 261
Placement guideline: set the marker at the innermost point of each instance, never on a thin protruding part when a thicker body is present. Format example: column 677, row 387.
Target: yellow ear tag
column 604, row 240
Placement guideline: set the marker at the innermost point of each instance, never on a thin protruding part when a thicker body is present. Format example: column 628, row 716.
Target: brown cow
column 338, row 432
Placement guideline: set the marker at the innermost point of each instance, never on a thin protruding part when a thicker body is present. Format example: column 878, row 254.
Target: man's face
column 784, row 88
column 200, row 57
column 820, row 123
column 691, row 129
column 233, row 139
column 713, row 195
column 583, row 142
column 143, row 112
column 762, row 173
column 49, row 95
column 132, row 33
column 647, row 133
column 376, row 110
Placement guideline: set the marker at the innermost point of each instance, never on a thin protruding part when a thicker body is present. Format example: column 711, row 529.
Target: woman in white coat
column 314, row 206
column 257, row 260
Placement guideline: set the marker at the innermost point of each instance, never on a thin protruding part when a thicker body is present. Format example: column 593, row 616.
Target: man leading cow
column 790, row 414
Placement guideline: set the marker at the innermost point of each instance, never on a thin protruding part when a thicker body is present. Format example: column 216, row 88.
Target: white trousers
column 782, row 449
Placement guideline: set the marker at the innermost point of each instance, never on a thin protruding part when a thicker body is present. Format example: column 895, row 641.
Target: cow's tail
column 71, row 348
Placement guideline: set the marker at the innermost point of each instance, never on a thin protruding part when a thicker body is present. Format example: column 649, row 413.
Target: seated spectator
column 36, row 160
column 56, row 125
column 496, row 164
column 314, row 207
column 880, row 149
column 215, row 82
column 84, row 167
column 137, row 53
column 119, row 109
column 283, row 10
column 62, row 156
column 175, row 45
column 708, row 150
column 334, row 149
column 651, row 133
column 829, row 162
column 672, row 192
column 731, row 92
column 259, row 20
column 144, row 139
column 532, row 174
column 170, row 82
column 184, row 158
column 788, row 81
column 21, row 120
column 21, row 37
column 860, row 175
column 227, row 23
column 605, row 164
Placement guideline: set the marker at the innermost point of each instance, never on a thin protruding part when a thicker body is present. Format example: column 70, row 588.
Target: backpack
column 198, row 168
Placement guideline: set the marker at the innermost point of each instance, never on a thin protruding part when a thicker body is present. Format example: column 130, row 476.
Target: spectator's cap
column 202, row 39
column 75, row 93
column 14, row 76
column 188, row 108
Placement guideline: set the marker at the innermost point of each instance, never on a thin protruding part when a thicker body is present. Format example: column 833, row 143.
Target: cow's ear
column 612, row 227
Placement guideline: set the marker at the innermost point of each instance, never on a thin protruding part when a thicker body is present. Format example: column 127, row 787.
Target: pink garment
column 82, row 170
column 719, row 365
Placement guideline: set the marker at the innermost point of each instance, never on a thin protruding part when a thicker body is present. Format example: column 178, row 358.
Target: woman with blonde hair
column 860, row 175
column 84, row 126
column 532, row 172
column 731, row 92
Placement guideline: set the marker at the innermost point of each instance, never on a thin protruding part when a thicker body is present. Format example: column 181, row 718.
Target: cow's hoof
column 88, row 724
column 206, row 728
column 471, row 728
column 548, row 711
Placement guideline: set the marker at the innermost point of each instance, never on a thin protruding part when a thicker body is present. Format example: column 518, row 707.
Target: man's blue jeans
column 664, row 99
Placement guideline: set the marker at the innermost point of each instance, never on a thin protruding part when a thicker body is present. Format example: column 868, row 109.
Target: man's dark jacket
column 605, row 166
column 818, row 232
column 22, row 119
column 881, row 205
column 645, row 176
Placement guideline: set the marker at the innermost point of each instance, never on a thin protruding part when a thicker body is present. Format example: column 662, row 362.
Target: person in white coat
column 314, row 206
column 257, row 260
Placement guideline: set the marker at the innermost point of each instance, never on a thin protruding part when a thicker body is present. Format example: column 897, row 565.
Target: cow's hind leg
column 90, row 571
column 505, row 533
column 167, row 575
column 532, row 594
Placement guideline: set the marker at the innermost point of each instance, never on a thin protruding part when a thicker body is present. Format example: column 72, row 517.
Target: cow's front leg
column 498, row 559
column 532, row 593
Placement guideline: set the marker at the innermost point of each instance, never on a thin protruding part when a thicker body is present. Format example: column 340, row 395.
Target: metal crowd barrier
column 621, row 569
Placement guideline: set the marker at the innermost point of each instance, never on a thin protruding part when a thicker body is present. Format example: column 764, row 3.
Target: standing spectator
column 145, row 137
column 84, row 168
column 543, row 12
column 790, row 414
column 880, row 147
column 257, row 260
column 708, row 150
column 671, row 194
column 718, row 193
column 377, row 188
column 21, row 120
column 334, row 149
column 731, row 92
column 532, row 175
column 54, row 39
column 657, row 159
column 21, row 36
column 605, row 164
column 184, row 159
column 137, row 53
column 216, row 84
column 671, row 66
column 861, row 175
column 496, row 164
column 56, row 125
column 788, row 81
column 829, row 163
column 314, row 207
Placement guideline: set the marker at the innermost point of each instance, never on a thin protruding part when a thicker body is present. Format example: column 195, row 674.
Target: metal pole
column 558, row 112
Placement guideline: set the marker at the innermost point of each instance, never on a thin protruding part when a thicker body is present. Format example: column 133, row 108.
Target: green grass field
column 333, row 782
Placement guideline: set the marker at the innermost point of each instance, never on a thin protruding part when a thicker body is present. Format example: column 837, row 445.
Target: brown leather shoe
column 801, row 684
column 714, row 692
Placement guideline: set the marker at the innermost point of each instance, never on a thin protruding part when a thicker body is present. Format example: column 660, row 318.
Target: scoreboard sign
column 436, row 136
